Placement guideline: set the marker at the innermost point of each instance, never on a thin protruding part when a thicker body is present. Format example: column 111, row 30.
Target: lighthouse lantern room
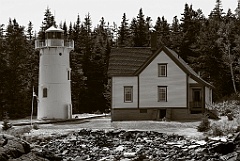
column 54, row 85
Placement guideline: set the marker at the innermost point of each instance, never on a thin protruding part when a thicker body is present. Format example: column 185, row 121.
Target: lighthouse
column 54, row 84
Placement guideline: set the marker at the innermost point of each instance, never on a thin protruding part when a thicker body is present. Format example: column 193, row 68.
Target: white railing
column 54, row 43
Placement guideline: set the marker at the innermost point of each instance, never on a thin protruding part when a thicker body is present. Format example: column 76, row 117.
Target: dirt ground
column 187, row 129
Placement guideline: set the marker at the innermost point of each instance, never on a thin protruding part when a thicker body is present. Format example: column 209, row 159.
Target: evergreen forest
column 210, row 44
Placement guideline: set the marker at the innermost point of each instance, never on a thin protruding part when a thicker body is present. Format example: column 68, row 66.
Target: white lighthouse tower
column 54, row 85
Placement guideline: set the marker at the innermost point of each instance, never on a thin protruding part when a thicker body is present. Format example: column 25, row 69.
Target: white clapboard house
column 157, row 84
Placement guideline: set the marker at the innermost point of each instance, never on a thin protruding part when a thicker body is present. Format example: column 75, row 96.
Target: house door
column 196, row 95
column 196, row 104
column 162, row 113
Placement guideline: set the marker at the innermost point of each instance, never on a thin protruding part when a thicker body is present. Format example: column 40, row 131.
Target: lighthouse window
column 69, row 75
column 54, row 35
column 44, row 92
column 58, row 35
column 60, row 54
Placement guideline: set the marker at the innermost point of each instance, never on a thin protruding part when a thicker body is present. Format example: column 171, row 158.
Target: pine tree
column 95, row 67
column 18, row 85
column 237, row 10
column 142, row 30
column 70, row 31
column 163, row 31
column 190, row 27
column 217, row 11
column 76, row 34
column 224, row 43
column 30, row 31
column 48, row 21
column 176, row 35
column 209, row 62
column 3, row 73
column 134, row 32
column 65, row 33
column 123, row 32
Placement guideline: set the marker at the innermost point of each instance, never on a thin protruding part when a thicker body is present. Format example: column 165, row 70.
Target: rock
column 3, row 156
column 223, row 148
column 237, row 138
column 49, row 155
column 78, row 158
column 13, row 147
column 119, row 148
column 201, row 142
column 125, row 159
column 130, row 145
column 193, row 146
column 230, row 156
column 64, row 152
column 129, row 154
column 29, row 157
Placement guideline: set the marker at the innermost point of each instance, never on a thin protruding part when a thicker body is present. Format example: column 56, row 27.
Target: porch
column 196, row 99
column 196, row 107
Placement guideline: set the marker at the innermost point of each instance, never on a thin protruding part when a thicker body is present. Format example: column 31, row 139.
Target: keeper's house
column 155, row 85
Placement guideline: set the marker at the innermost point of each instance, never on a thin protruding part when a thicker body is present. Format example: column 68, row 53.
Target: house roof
column 132, row 61
column 126, row 61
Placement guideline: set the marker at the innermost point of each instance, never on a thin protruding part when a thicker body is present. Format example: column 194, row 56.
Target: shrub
column 238, row 128
column 216, row 131
column 35, row 126
column 6, row 124
column 18, row 132
column 228, row 111
column 230, row 116
column 204, row 125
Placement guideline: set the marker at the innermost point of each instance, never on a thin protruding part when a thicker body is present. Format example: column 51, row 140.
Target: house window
column 162, row 94
column 162, row 70
column 45, row 92
column 128, row 94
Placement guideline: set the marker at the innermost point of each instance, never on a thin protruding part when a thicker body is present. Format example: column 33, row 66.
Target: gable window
column 162, row 94
column 44, row 92
column 128, row 94
column 162, row 70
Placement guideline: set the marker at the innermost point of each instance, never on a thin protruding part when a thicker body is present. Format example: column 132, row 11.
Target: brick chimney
column 153, row 41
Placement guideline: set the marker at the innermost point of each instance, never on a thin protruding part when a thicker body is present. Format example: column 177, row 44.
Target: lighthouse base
column 59, row 111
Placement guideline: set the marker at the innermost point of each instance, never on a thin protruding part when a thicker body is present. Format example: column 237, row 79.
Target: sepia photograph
column 120, row 80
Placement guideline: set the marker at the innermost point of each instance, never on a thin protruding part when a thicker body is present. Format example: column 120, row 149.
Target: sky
column 112, row 10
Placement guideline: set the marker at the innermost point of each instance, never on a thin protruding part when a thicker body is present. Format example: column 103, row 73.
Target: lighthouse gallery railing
column 54, row 43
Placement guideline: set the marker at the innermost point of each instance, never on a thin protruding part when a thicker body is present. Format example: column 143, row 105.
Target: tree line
column 209, row 44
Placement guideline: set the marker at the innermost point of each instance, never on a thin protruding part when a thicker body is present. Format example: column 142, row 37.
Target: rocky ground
column 106, row 145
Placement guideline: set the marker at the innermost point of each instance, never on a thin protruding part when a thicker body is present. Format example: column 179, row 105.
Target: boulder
column 29, row 157
column 223, row 148
column 13, row 147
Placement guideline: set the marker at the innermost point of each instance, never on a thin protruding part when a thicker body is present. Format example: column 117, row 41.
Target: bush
column 6, row 124
column 230, row 116
column 204, row 125
column 20, row 131
column 35, row 126
column 216, row 131
column 238, row 128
